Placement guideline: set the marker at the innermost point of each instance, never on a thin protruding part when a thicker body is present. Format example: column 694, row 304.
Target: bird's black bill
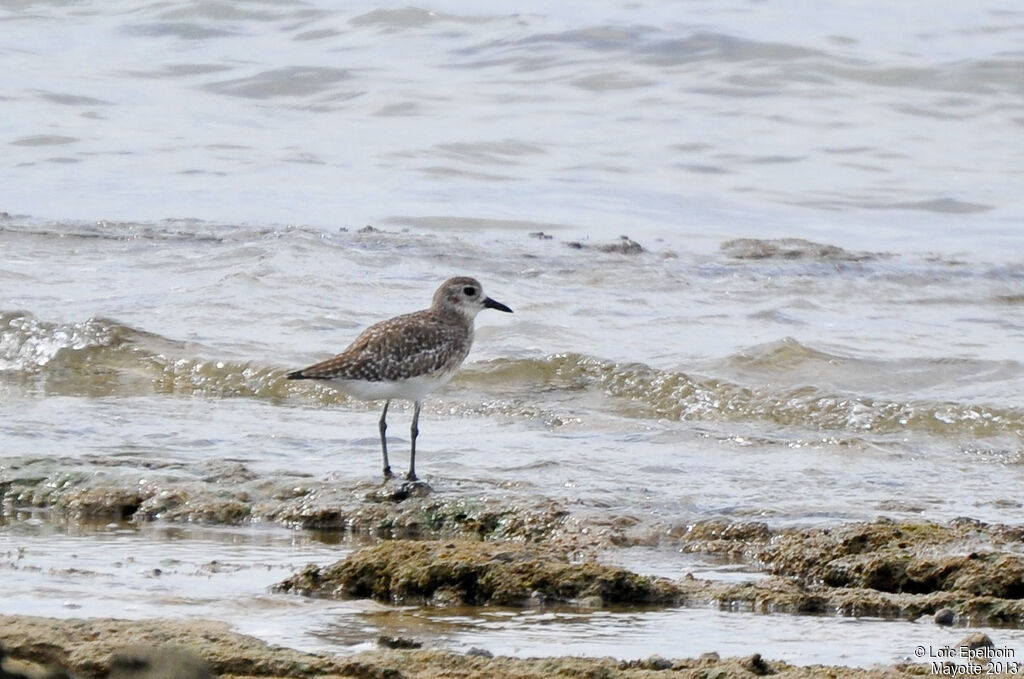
column 491, row 304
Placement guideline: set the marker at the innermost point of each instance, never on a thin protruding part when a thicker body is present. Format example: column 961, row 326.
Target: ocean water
column 817, row 316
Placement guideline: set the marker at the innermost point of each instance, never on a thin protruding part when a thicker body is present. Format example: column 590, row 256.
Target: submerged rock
column 624, row 246
column 975, row 641
column 386, row 641
column 789, row 248
column 475, row 573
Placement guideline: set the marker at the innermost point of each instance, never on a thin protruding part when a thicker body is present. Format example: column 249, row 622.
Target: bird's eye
column 470, row 291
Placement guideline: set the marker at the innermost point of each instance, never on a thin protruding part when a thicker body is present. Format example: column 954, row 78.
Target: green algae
column 476, row 573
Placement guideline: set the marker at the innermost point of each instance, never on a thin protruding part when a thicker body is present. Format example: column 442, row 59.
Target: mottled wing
column 399, row 348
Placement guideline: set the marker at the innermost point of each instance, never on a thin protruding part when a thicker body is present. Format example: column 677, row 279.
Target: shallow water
column 833, row 410
column 686, row 633
column 219, row 573
column 185, row 192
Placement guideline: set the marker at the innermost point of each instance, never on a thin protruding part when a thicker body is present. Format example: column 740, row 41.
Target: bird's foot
column 388, row 474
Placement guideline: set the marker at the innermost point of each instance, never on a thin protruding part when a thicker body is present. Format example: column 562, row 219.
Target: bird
column 408, row 356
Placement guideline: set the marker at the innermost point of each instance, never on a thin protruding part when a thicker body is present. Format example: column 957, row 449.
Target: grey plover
column 408, row 356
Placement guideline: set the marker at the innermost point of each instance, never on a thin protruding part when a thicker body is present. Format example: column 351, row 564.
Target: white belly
column 412, row 389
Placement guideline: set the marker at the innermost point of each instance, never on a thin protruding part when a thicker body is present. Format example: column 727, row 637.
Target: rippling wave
column 100, row 356
column 646, row 392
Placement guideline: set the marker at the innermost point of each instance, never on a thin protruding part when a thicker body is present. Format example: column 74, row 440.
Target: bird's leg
column 384, row 441
column 414, row 430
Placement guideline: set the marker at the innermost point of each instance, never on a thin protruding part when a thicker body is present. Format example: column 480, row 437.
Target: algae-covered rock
column 879, row 568
column 94, row 649
column 100, row 647
column 475, row 573
column 233, row 495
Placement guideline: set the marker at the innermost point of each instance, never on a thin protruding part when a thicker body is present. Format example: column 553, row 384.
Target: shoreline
column 86, row 648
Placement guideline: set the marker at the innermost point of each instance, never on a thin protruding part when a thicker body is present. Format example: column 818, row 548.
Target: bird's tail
column 298, row 375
